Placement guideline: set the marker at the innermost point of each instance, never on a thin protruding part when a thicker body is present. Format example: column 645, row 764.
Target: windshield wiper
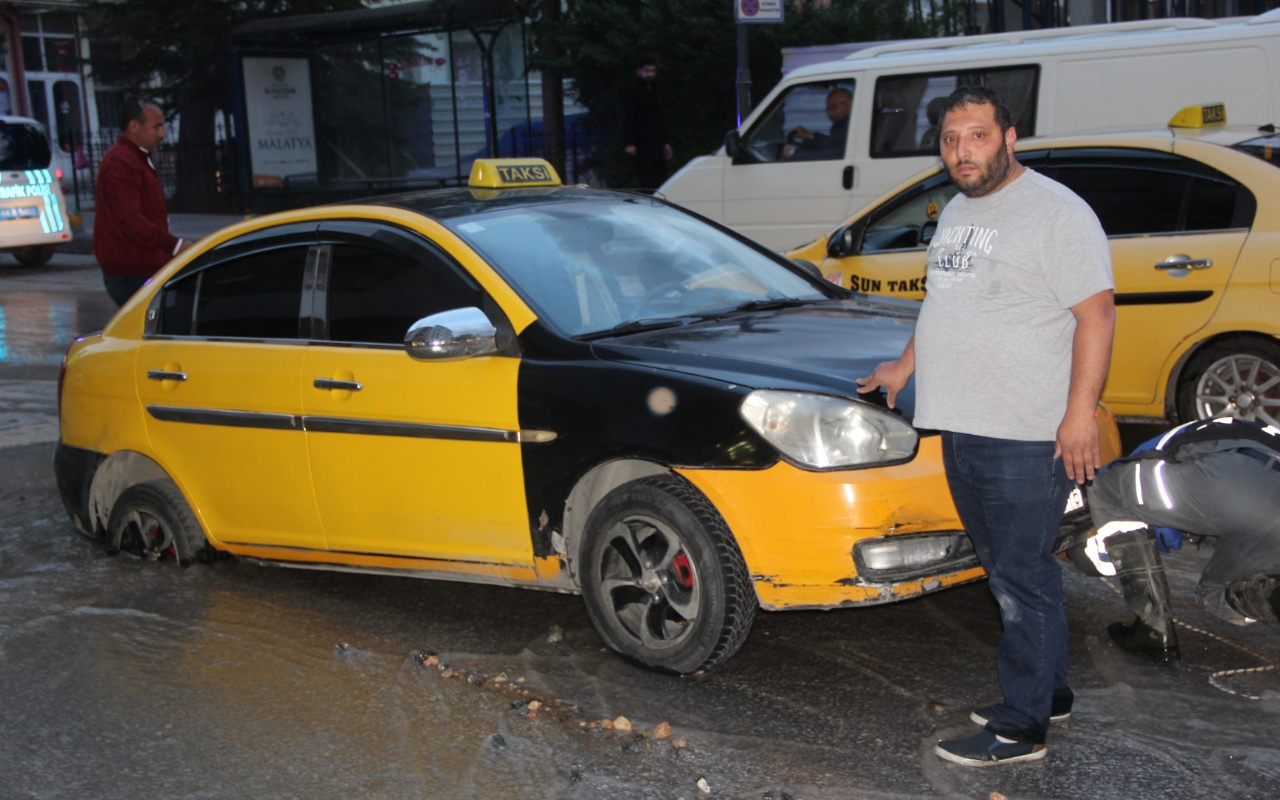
column 760, row 305
column 633, row 326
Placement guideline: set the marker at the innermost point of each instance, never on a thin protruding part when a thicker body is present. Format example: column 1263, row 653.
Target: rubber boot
column 1146, row 590
column 1256, row 597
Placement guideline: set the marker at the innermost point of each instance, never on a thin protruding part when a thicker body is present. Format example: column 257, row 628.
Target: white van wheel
column 34, row 256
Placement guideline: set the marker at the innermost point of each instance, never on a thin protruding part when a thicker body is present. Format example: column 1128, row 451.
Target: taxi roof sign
column 510, row 173
column 1200, row 116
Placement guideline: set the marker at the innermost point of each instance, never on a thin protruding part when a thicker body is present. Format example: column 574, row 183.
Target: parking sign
column 759, row 10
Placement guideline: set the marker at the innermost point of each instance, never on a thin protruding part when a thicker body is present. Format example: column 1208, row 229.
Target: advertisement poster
column 282, row 140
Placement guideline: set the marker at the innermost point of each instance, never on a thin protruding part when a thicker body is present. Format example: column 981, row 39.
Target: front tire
column 34, row 256
column 154, row 521
column 1235, row 378
column 663, row 580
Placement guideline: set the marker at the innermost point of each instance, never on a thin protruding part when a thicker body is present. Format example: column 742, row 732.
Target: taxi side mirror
column 451, row 335
column 843, row 242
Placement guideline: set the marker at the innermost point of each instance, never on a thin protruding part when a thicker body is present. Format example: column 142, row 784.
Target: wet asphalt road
column 129, row 679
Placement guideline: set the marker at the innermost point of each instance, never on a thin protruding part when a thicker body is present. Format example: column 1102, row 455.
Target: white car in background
column 33, row 209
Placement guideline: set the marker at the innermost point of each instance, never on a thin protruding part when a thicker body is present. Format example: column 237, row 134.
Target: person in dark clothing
column 131, row 236
column 806, row 145
column 646, row 130
column 1217, row 478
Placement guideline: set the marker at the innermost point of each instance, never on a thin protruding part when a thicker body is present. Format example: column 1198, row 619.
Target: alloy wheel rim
column 649, row 583
column 1242, row 386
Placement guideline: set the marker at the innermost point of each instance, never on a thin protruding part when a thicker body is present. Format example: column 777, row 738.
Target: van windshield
column 23, row 146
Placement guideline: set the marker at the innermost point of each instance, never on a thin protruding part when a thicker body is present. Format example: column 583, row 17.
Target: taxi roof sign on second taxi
column 1200, row 116
column 508, row 173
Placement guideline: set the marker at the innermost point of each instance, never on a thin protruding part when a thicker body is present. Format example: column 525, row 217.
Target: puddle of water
column 37, row 327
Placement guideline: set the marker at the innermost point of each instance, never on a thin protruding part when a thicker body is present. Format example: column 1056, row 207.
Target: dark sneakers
column 1256, row 597
column 983, row 715
column 985, row 749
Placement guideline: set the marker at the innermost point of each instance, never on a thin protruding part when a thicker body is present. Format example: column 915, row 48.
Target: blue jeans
column 1011, row 495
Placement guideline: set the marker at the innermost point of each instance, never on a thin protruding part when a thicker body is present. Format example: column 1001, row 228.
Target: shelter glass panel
column 350, row 113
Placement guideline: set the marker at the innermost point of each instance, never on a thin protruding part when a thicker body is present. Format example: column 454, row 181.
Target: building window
column 48, row 42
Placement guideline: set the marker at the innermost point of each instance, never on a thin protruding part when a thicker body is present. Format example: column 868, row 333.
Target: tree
column 695, row 44
column 177, row 51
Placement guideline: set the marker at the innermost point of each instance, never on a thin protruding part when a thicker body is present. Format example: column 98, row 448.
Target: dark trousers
column 1230, row 497
column 121, row 287
column 1011, row 496
column 650, row 172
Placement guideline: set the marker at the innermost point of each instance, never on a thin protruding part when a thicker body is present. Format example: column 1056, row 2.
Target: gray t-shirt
column 994, row 340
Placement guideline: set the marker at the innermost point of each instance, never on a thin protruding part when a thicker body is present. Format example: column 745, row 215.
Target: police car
column 517, row 383
column 1192, row 215
column 33, row 211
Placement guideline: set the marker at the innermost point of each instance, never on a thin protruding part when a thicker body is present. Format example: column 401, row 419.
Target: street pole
column 744, row 75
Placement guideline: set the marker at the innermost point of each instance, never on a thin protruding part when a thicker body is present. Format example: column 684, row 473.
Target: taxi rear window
column 23, row 146
column 1266, row 148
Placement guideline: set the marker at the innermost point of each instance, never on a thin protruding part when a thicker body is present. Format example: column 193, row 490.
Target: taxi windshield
column 594, row 265
column 1266, row 148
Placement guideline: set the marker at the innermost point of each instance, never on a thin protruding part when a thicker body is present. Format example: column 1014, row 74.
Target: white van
column 33, row 210
column 784, row 190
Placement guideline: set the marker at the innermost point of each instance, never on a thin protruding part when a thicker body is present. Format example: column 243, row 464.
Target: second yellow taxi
column 1192, row 212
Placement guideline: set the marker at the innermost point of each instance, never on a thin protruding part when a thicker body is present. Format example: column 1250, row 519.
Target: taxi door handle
column 346, row 386
column 847, row 178
column 165, row 375
column 1181, row 261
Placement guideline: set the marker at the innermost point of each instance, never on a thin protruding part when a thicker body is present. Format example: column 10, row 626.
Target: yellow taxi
column 1192, row 212
column 518, row 383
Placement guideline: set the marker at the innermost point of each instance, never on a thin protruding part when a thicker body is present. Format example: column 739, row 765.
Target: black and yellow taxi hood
column 821, row 347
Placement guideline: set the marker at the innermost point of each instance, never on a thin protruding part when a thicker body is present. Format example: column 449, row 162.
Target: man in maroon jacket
column 131, row 224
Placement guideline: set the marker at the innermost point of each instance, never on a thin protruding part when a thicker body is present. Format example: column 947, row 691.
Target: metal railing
column 216, row 167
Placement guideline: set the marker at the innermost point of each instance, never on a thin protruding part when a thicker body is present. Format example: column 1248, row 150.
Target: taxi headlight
column 825, row 432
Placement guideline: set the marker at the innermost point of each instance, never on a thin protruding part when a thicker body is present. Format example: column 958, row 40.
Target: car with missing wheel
column 519, row 383
column 33, row 210
column 1192, row 213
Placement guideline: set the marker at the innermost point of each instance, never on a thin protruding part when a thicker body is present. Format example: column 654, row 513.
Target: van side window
column 808, row 122
column 908, row 108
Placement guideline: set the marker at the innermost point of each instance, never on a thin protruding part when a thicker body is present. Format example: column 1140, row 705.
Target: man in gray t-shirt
column 1010, row 354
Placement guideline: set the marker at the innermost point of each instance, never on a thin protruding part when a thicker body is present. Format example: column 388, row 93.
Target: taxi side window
column 258, row 296
column 1169, row 195
column 374, row 295
column 910, row 223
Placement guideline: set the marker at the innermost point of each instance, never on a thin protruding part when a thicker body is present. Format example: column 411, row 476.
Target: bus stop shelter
column 346, row 104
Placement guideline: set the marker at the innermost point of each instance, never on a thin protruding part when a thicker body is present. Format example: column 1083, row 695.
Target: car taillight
column 58, row 173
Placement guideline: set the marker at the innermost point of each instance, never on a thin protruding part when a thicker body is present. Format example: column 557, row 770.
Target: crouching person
column 1218, row 479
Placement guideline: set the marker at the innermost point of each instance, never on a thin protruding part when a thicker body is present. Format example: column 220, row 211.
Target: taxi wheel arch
column 1225, row 368
column 117, row 472
column 155, row 521
column 663, row 580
